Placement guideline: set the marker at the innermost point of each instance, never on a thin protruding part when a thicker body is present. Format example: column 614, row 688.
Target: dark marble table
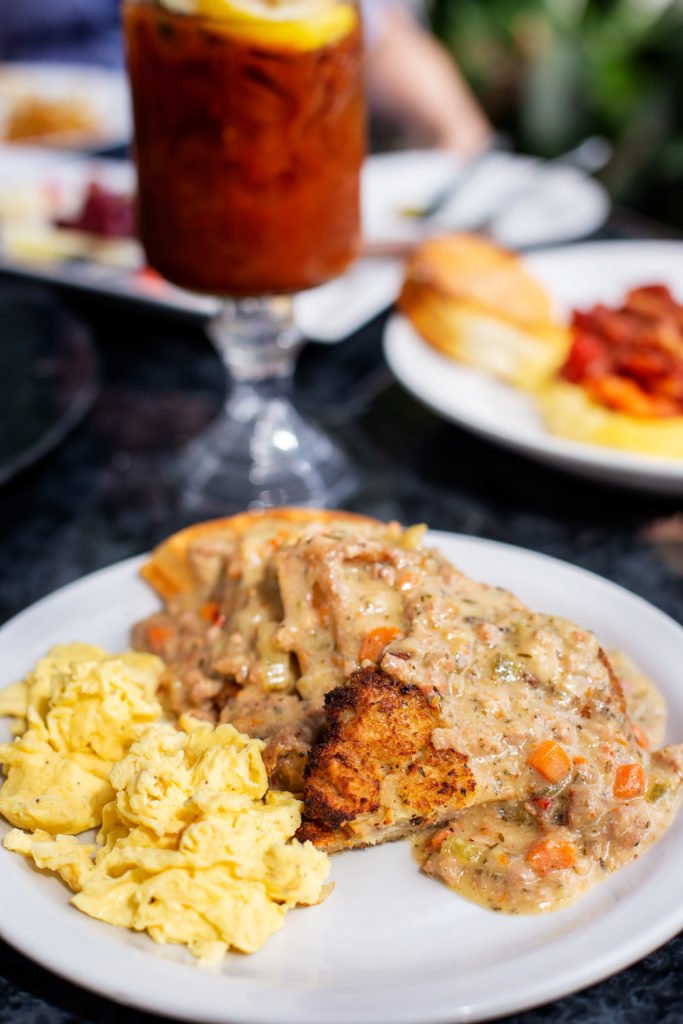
column 98, row 498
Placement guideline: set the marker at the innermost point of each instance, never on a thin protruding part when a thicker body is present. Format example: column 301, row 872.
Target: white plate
column 103, row 90
column 34, row 182
column 390, row 946
column 576, row 276
column 536, row 203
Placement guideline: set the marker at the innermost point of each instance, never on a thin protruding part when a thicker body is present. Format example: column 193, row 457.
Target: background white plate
column 104, row 90
column 565, row 204
column 535, row 203
column 575, row 276
column 390, row 946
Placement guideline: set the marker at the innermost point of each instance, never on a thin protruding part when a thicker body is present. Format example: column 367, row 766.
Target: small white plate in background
column 103, row 93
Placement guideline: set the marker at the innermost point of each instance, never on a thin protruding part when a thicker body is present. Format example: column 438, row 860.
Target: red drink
column 249, row 142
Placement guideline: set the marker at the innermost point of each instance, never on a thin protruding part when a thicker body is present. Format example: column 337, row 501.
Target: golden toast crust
column 376, row 774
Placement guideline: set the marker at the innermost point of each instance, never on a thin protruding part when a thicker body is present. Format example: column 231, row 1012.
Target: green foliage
column 551, row 72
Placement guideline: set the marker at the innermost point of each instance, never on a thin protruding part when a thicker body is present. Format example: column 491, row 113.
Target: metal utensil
column 454, row 185
column 589, row 156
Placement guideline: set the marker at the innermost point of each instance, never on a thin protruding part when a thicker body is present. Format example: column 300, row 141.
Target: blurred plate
column 100, row 94
column 35, row 185
column 534, row 203
column 576, row 276
column 48, row 378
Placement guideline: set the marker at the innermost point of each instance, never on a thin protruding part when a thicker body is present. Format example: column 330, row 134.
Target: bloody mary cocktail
column 249, row 131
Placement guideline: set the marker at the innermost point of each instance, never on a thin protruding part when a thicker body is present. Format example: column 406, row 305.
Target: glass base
column 260, row 453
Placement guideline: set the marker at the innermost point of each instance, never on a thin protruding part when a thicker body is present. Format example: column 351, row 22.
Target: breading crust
column 376, row 774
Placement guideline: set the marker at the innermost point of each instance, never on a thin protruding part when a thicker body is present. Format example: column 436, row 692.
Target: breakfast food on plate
column 191, row 846
column 41, row 119
column 475, row 302
column 402, row 698
column 622, row 382
column 337, row 657
column 223, row 627
column 77, row 713
column 101, row 212
column 614, row 378
column 95, row 226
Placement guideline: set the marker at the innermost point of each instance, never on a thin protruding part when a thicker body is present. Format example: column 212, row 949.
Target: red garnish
column 631, row 359
column 103, row 213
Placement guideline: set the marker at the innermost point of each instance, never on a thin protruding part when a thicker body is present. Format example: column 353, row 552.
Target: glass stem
column 260, row 452
column 258, row 344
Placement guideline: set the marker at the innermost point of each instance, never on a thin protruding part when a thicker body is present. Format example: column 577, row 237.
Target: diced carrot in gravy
column 640, row 737
column 319, row 603
column 209, row 611
column 407, row 581
column 438, row 839
column 374, row 642
column 157, row 636
column 629, row 781
column 550, row 760
column 551, row 854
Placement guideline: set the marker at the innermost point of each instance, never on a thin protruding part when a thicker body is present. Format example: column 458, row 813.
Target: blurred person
column 77, row 31
column 412, row 79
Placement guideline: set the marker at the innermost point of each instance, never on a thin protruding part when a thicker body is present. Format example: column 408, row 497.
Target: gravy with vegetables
column 402, row 698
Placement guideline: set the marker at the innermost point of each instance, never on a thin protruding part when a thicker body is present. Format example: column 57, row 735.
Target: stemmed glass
column 249, row 137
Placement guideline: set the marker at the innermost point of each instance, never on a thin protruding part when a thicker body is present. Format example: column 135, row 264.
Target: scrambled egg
column 78, row 712
column 34, row 691
column 192, row 847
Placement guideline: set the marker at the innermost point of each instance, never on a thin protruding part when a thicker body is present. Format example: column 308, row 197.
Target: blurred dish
column 565, row 203
column 38, row 185
column 576, row 277
column 476, row 302
column 48, row 378
column 621, row 384
column 68, row 106
column 613, row 376
column 589, row 156
column 37, row 119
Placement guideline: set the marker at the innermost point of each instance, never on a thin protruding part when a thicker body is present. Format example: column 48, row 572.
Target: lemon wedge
column 294, row 24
